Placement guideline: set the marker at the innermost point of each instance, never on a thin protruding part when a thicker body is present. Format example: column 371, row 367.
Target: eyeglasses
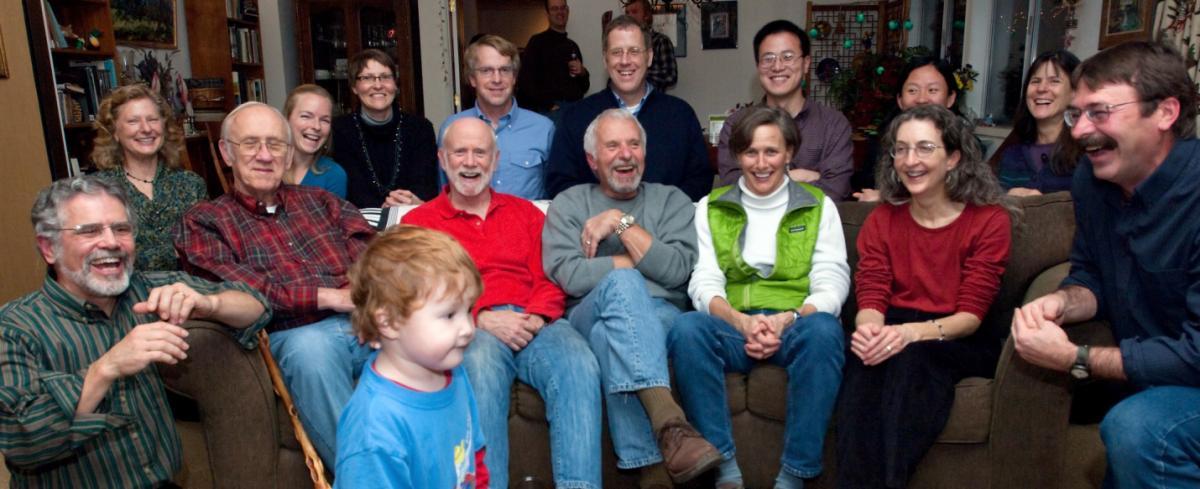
column 93, row 230
column 1095, row 113
column 923, row 150
column 487, row 71
column 250, row 147
column 373, row 79
column 768, row 60
column 620, row 53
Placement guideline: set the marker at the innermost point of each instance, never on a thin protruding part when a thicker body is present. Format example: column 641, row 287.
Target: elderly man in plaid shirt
column 295, row 245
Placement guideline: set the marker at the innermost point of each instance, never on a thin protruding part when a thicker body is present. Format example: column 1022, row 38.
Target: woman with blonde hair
column 309, row 111
column 138, row 145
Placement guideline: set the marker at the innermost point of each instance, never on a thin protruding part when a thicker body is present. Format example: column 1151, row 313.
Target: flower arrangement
column 966, row 77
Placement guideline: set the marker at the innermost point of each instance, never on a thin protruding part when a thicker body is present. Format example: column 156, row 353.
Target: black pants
column 890, row 414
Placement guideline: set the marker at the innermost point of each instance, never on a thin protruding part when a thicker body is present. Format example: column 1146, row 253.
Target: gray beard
column 98, row 286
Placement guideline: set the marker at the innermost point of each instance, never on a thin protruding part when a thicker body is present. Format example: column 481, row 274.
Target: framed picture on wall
column 718, row 25
column 672, row 21
column 1126, row 20
column 147, row 23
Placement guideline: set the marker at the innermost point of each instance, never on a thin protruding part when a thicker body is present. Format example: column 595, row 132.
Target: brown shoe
column 685, row 453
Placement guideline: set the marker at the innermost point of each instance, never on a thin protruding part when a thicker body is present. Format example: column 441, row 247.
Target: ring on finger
column 888, row 348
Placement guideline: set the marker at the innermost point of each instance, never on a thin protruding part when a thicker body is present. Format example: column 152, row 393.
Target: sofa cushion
column 971, row 415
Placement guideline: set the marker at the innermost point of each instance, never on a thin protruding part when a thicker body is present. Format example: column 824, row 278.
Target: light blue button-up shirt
column 524, row 139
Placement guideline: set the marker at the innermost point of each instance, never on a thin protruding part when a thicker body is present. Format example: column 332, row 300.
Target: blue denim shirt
column 1141, row 258
column 524, row 139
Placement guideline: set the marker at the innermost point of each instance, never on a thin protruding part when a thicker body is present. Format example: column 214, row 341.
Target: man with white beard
column 623, row 251
column 521, row 331
column 80, row 403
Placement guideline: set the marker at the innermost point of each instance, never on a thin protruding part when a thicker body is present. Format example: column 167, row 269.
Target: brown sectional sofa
column 1006, row 432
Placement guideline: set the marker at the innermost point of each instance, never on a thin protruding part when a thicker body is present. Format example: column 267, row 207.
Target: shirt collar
column 74, row 306
column 259, row 207
column 641, row 103
column 442, row 205
column 507, row 119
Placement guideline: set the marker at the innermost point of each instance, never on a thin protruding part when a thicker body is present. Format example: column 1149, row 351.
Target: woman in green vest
column 768, row 286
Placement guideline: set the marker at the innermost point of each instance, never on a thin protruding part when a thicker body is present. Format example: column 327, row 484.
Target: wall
column 281, row 63
column 24, row 159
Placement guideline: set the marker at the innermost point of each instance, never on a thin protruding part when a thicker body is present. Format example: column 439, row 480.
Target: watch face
column 1079, row 372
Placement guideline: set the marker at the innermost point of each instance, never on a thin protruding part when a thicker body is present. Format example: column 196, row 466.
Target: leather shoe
column 685, row 453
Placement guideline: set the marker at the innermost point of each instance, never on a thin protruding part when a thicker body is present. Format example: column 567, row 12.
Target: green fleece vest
column 787, row 285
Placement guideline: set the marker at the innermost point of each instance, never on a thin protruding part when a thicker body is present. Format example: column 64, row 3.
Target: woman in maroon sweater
column 930, row 260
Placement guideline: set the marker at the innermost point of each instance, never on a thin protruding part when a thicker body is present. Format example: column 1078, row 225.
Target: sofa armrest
column 236, row 403
column 1031, row 409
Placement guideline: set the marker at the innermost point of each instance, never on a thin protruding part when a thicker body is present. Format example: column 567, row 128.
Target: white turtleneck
column 829, row 279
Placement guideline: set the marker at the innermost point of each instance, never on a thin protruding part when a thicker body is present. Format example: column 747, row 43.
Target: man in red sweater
column 522, row 334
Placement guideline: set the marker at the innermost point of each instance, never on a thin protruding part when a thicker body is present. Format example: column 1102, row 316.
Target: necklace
column 130, row 176
column 396, row 142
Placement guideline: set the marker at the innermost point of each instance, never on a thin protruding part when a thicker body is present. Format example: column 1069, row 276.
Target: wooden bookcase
column 329, row 32
column 215, row 28
column 69, row 132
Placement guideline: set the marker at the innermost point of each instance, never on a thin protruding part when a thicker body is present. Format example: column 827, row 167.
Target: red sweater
column 506, row 247
column 955, row 268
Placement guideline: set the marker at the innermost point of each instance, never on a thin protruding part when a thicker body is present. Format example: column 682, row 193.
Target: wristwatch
column 1080, row 369
column 627, row 220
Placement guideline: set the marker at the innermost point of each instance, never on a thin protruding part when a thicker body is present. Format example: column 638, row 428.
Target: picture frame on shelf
column 145, row 23
column 1125, row 20
column 718, row 25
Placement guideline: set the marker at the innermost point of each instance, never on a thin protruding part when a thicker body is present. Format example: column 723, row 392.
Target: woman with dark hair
column 390, row 156
column 138, row 145
column 927, row 81
column 768, row 285
column 309, row 110
column 1039, row 156
column 930, row 260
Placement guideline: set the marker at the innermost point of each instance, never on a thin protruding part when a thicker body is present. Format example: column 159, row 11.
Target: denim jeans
column 627, row 330
column 704, row 348
column 560, row 366
column 320, row 363
column 1153, row 439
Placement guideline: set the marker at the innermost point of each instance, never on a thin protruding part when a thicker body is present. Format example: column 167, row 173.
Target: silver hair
column 495, row 142
column 228, row 122
column 589, row 136
column 46, row 214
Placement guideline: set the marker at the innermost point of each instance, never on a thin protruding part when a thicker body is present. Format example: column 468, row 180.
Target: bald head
column 257, row 144
column 468, row 156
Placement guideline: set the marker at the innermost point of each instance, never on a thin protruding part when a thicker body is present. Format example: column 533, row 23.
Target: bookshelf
column 225, row 43
column 73, row 75
column 329, row 32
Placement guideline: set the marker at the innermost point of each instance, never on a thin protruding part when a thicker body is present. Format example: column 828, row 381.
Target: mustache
column 1097, row 140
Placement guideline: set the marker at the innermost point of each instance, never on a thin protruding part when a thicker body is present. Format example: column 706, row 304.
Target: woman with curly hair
column 930, row 260
column 138, row 145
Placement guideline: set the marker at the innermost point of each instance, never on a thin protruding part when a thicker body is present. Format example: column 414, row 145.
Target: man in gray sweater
column 623, row 251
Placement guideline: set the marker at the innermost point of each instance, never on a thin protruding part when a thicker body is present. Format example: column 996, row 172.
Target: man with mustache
column 677, row 154
column 623, row 251
column 295, row 244
column 1135, row 262
column 82, row 403
column 522, row 136
column 521, row 332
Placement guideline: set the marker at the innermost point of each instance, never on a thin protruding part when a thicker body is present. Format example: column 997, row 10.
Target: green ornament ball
column 814, row 33
column 908, row 25
column 848, row 43
column 878, row 70
column 893, row 25
column 860, row 17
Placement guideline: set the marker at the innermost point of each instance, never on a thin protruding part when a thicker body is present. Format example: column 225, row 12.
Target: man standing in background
column 554, row 71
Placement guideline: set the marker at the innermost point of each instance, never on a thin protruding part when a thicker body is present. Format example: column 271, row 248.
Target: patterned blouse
column 175, row 190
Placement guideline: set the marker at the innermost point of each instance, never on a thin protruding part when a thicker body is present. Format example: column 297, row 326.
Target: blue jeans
column 319, row 363
column 560, row 366
column 627, row 330
column 704, row 348
column 1153, row 439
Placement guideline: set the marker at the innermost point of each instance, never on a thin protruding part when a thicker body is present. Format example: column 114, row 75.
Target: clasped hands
column 514, row 329
column 160, row 341
column 1038, row 335
column 874, row 342
column 597, row 228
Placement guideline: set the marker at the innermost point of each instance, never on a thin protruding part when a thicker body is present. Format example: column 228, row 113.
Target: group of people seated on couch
column 400, row 347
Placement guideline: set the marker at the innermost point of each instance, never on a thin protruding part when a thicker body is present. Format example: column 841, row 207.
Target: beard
column 624, row 184
column 470, row 187
column 95, row 285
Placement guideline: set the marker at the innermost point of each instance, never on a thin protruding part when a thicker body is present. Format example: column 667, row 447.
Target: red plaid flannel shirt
column 309, row 241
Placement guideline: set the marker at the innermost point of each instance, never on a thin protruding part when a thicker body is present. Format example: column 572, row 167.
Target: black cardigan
column 417, row 163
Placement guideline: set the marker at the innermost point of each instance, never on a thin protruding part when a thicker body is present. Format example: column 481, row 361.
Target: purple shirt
column 824, row 148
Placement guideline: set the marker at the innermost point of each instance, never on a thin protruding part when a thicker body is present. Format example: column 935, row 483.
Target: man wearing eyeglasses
column 522, row 136
column 81, row 399
column 782, row 54
column 295, row 244
column 1135, row 262
column 675, row 150
column 554, row 73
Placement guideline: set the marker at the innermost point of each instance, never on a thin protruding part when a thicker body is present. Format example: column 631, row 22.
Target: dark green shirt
column 47, row 341
column 175, row 191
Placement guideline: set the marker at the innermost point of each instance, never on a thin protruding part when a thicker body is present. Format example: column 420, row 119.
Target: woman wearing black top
column 390, row 156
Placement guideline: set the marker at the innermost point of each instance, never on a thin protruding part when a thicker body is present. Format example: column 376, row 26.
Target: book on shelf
column 244, row 45
column 87, row 82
